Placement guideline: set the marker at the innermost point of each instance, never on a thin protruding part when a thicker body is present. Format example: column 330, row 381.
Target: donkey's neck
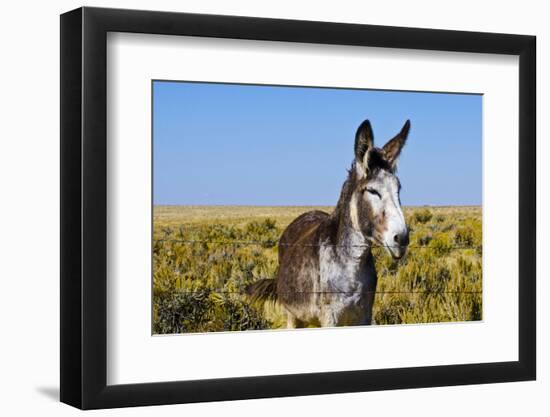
column 347, row 237
column 350, row 243
column 346, row 263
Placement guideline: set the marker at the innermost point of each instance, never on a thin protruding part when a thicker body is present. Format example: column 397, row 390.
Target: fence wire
column 335, row 292
column 273, row 243
column 276, row 243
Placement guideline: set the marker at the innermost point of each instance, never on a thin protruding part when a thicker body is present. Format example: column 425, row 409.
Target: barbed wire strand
column 259, row 242
column 333, row 292
column 275, row 243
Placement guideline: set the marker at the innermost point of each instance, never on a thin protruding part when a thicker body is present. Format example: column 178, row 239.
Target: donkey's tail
column 262, row 290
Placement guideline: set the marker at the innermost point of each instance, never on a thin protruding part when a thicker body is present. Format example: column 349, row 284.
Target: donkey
column 327, row 276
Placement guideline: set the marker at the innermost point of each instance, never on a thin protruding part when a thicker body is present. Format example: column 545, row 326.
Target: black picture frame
column 84, row 207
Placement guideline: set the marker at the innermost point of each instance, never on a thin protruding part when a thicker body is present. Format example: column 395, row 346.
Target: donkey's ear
column 364, row 141
column 392, row 149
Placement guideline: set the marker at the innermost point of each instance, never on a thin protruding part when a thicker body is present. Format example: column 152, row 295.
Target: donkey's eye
column 374, row 192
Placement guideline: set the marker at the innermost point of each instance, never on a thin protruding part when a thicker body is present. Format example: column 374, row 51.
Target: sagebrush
column 203, row 257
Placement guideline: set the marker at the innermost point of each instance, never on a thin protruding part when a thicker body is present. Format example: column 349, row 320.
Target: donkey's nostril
column 402, row 239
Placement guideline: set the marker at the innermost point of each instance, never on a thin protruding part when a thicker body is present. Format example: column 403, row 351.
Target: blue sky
column 267, row 145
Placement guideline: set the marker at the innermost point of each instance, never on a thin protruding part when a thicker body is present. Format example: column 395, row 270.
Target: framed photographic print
column 256, row 207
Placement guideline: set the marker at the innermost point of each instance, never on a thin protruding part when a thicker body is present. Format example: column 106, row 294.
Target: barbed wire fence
column 273, row 243
column 276, row 243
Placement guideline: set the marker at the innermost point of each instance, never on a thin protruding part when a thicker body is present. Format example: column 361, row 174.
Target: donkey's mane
column 341, row 214
column 377, row 161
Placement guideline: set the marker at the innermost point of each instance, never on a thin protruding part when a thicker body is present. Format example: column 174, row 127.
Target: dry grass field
column 203, row 257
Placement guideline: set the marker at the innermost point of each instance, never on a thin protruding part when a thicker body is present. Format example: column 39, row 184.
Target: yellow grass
column 174, row 216
column 202, row 262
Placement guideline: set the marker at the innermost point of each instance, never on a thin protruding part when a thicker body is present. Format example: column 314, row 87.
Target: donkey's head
column 375, row 207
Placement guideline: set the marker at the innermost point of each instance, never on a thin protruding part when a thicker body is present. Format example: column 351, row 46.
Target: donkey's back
column 303, row 226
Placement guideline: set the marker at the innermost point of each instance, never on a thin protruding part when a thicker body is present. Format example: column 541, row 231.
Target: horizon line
column 305, row 205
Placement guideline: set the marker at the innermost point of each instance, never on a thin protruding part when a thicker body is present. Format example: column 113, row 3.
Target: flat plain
column 204, row 256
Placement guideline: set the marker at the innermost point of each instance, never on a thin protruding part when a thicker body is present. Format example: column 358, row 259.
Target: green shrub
column 204, row 311
column 441, row 244
column 422, row 216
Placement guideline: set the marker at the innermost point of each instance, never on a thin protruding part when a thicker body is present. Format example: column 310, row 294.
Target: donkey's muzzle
column 399, row 246
column 401, row 239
